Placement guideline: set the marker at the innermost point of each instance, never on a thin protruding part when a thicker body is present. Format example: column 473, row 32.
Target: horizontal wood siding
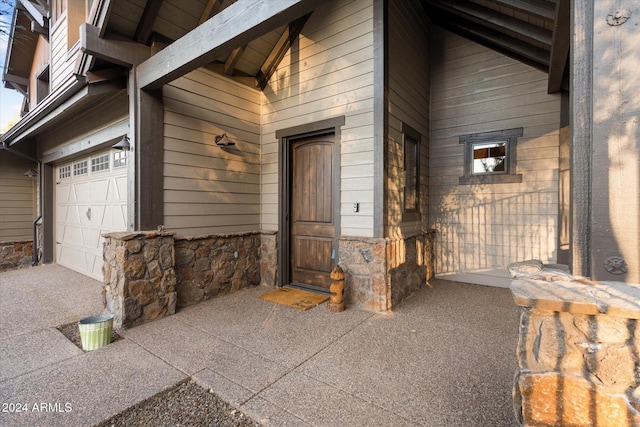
column 483, row 228
column 62, row 61
column 408, row 91
column 209, row 189
column 17, row 198
column 328, row 72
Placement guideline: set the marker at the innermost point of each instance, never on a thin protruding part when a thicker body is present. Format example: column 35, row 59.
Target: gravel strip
column 185, row 405
column 72, row 332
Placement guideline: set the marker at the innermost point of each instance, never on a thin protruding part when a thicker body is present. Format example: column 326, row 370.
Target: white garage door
column 91, row 199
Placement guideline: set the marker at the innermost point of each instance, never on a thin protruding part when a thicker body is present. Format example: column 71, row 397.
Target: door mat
column 295, row 298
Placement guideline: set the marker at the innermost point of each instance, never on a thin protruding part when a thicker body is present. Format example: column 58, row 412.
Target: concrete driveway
column 445, row 357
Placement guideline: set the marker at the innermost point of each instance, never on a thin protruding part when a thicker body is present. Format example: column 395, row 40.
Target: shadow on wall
column 476, row 233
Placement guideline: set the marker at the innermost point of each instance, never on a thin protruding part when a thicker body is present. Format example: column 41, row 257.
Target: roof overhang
column 70, row 99
column 20, row 52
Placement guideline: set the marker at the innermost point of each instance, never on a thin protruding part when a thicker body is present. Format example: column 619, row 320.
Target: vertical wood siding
column 328, row 72
column 409, row 103
column 209, row 189
column 17, row 198
column 483, row 228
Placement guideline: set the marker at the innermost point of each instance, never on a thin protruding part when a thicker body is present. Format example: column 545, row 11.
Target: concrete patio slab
column 88, row 388
column 49, row 295
column 445, row 357
column 320, row 404
column 282, row 334
column 34, row 351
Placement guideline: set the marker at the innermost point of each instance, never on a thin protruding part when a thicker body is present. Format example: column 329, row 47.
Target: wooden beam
column 279, row 50
column 115, row 51
column 98, row 17
column 581, row 112
column 211, row 8
column 235, row 26
column 24, row 81
column 37, row 28
column 484, row 15
column 246, row 80
column 36, row 12
column 559, row 46
column 149, row 151
column 232, row 60
column 540, row 8
column 20, row 88
column 99, row 14
column 509, row 46
column 149, row 16
column 106, row 74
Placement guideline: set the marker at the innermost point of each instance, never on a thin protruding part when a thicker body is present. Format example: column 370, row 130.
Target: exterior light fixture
column 31, row 173
column 124, row 144
column 224, row 141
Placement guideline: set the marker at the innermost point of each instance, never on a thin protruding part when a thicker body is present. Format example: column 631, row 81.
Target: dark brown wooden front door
column 312, row 211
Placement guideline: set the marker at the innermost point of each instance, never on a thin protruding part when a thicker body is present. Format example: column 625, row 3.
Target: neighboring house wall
column 17, row 198
column 328, row 72
column 408, row 83
column 207, row 188
column 483, row 227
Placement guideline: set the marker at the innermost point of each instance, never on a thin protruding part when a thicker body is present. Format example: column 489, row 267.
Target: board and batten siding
column 482, row 228
column 17, row 198
column 328, row 72
column 209, row 189
column 408, row 97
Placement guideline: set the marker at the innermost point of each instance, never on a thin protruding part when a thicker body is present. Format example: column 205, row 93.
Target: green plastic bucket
column 95, row 331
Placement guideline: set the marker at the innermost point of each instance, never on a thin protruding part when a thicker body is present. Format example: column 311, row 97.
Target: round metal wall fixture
column 615, row 265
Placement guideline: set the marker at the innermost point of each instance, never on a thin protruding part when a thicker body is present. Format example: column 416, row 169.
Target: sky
column 10, row 100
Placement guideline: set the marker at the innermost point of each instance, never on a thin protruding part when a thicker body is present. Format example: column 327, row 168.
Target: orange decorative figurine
column 337, row 290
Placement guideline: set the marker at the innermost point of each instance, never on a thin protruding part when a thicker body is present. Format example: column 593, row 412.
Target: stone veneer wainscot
column 147, row 275
column 15, row 254
column 578, row 351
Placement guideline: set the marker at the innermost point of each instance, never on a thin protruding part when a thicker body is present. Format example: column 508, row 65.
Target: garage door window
column 120, row 159
column 80, row 168
column 100, row 163
column 64, row 172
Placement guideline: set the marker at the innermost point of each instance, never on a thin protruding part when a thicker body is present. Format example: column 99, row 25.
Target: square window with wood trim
column 490, row 157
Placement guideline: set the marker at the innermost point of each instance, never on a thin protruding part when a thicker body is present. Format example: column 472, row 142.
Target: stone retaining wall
column 139, row 276
column 380, row 273
column 579, row 349
column 213, row 265
column 147, row 275
column 15, row 254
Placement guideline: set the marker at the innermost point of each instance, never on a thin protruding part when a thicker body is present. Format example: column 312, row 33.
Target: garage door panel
column 70, row 255
column 72, row 235
column 82, row 192
column 91, row 238
column 120, row 217
column 120, row 189
column 62, row 193
column 87, row 206
column 100, row 190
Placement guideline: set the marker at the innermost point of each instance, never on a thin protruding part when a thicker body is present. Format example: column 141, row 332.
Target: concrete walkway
column 445, row 357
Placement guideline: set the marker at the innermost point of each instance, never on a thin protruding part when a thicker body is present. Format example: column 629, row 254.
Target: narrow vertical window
column 411, row 154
